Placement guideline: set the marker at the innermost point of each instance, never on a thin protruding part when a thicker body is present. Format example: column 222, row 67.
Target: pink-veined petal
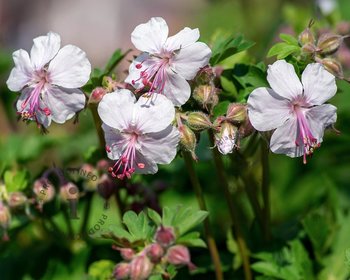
column 115, row 141
column 320, row 117
column 182, row 39
column 150, row 36
column 22, row 73
column 70, row 68
column 283, row 79
column 63, row 102
column 267, row 110
column 191, row 59
column 153, row 115
column 116, row 109
column 176, row 88
column 44, row 49
column 319, row 84
column 283, row 140
column 160, row 147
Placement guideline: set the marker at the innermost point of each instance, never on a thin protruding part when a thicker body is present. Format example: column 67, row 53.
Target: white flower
column 326, row 6
column 48, row 80
column 166, row 62
column 226, row 139
column 138, row 135
column 294, row 109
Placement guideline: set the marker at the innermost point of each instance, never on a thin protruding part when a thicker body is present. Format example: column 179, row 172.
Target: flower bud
column 206, row 96
column 5, row 216
column 103, row 165
column 236, row 113
column 96, row 95
column 43, row 190
column 188, row 139
column 309, row 48
column 226, row 139
column 329, row 43
column 17, row 199
column 198, row 121
column 106, row 186
column 165, row 236
column 155, row 252
column 121, row 271
column 179, row 255
column 126, row 253
column 69, row 191
column 90, row 176
column 306, row 37
column 333, row 67
column 140, row 268
column 109, row 84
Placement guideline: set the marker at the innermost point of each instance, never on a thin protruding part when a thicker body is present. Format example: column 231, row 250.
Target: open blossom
column 48, row 80
column 294, row 109
column 137, row 135
column 166, row 62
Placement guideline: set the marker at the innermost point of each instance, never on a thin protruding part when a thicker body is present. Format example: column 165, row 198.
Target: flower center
column 153, row 76
column 31, row 105
column 124, row 167
column 304, row 136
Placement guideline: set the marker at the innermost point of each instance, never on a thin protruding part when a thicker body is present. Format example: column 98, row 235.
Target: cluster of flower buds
column 109, row 84
column 229, row 129
column 153, row 258
column 323, row 49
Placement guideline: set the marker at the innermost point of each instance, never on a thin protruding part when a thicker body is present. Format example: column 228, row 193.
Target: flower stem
column 98, row 125
column 87, row 210
column 201, row 202
column 236, row 229
column 266, row 189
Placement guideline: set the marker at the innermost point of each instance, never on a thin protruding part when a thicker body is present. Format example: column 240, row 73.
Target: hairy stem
column 201, row 202
column 265, row 187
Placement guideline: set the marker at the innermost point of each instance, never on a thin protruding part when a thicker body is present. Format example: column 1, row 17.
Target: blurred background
column 100, row 27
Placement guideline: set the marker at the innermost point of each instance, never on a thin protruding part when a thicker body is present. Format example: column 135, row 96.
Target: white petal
column 70, row 68
column 176, row 88
column 319, row 84
column 40, row 116
column 191, row 59
column 153, row 115
column 21, row 74
column 150, row 167
column 116, row 109
column 44, row 49
column 63, row 102
column 115, row 140
column 267, row 110
column 160, row 147
column 185, row 37
column 283, row 79
column 151, row 36
column 320, row 117
column 283, row 140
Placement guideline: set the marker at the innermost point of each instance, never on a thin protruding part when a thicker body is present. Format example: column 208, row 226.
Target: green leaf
column 101, row 270
column 347, row 257
column 15, row 180
column 168, row 216
column 156, row 277
column 282, row 50
column 137, row 225
column 192, row 239
column 221, row 108
column 291, row 40
column 154, row 216
column 186, row 219
column 115, row 59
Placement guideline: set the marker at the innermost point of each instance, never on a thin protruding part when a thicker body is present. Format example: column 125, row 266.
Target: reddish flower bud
column 121, row 271
column 106, row 186
column 329, row 43
column 198, row 121
column 44, row 190
column 179, row 255
column 155, row 252
column 126, row 253
column 96, row 95
column 17, row 199
column 188, row 140
column 165, row 236
column 69, row 191
column 236, row 113
column 5, row 216
column 140, row 268
column 306, row 37
column 206, row 95
column 333, row 66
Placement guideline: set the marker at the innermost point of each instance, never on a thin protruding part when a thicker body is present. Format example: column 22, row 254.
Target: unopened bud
column 226, row 139
column 179, row 255
column 96, row 95
column 140, row 268
column 333, row 66
column 17, row 199
column 43, row 190
column 121, row 271
column 165, row 236
column 245, row 129
column 106, row 186
column 5, row 216
column 90, row 176
column 198, row 121
column 155, row 252
column 306, row 37
column 126, row 253
column 236, row 113
column 329, row 43
column 103, row 165
column 309, row 48
column 206, row 96
column 188, row 139
column 69, row 191
column 109, row 84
